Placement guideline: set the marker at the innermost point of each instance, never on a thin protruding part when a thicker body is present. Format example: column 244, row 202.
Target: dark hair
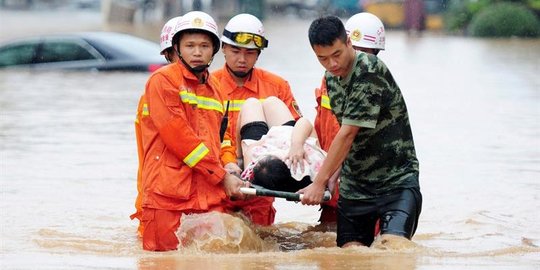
column 326, row 30
column 272, row 173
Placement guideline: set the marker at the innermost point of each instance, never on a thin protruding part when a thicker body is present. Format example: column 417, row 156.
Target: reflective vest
column 182, row 155
column 260, row 84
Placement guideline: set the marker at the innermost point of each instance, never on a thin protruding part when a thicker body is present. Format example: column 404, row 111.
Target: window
column 20, row 54
column 59, row 51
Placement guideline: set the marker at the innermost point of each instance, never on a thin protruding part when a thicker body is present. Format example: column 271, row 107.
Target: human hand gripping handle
column 232, row 185
column 312, row 194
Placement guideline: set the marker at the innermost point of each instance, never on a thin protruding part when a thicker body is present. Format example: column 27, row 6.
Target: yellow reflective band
column 204, row 103
column 236, row 104
column 187, row 97
column 145, row 111
column 226, row 143
column 325, row 102
column 137, row 120
column 209, row 104
column 196, row 155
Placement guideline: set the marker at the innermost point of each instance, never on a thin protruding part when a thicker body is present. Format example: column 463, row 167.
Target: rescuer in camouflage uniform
column 374, row 146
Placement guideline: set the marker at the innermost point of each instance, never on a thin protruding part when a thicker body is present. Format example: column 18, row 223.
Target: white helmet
column 198, row 20
column 167, row 32
column 366, row 30
column 246, row 31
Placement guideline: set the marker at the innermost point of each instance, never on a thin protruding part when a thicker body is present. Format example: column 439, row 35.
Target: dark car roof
column 117, row 45
column 117, row 50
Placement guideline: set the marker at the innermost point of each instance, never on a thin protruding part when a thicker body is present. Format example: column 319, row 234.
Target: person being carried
column 278, row 152
column 374, row 146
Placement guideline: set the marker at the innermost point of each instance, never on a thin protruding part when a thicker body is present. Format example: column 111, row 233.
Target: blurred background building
column 390, row 11
column 452, row 16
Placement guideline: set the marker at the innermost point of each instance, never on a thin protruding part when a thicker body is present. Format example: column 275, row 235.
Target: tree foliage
column 461, row 13
column 505, row 20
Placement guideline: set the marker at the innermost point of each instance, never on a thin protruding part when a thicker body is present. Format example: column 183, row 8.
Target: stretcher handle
column 290, row 196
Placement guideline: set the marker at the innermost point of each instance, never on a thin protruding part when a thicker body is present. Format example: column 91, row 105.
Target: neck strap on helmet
column 239, row 74
column 195, row 70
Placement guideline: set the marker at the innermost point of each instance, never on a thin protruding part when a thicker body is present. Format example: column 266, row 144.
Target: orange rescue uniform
column 182, row 168
column 326, row 126
column 260, row 84
column 142, row 109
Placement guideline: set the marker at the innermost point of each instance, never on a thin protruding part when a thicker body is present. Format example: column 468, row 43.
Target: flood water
column 68, row 160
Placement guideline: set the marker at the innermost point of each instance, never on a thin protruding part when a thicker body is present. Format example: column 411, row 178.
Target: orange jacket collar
column 230, row 83
column 188, row 75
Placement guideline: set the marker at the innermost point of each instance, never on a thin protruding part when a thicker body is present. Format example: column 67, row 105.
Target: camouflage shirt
column 382, row 157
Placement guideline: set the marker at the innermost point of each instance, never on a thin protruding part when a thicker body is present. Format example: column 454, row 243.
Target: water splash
column 220, row 233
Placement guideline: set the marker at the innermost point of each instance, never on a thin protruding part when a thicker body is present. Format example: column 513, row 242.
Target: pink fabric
column 277, row 142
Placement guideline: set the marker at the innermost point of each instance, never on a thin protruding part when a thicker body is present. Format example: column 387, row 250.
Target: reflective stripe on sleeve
column 226, row 143
column 196, row 155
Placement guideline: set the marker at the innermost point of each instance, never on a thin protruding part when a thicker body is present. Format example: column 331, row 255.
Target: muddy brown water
column 68, row 159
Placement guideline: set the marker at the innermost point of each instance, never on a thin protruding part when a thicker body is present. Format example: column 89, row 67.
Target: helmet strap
column 195, row 70
column 239, row 74
column 168, row 58
column 169, row 54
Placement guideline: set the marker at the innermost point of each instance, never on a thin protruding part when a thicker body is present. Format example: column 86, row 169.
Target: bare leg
column 251, row 111
column 276, row 112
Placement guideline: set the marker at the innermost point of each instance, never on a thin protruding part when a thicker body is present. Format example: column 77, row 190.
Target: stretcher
column 290, row 196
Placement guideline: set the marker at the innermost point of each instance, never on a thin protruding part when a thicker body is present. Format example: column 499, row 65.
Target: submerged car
column 102, row 51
